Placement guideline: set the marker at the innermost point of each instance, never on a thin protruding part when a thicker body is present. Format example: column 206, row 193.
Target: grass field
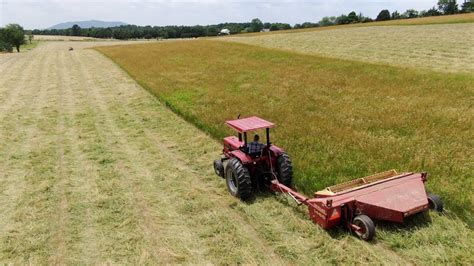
column 338, row 119
column 95, row 170
column 446, row 47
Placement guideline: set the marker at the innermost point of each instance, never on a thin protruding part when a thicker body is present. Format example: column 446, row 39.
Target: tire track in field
column 62, row 217
column 83, row 175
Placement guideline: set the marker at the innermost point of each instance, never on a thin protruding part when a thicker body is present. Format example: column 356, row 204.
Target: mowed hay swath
column 337, row 119
column 446, row 47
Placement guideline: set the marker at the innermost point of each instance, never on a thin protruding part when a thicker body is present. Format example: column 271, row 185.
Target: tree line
column 10, row 35
column 164, row 32
column 444, row 7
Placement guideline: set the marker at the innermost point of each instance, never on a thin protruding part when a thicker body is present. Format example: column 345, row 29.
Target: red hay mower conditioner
column 387, row 196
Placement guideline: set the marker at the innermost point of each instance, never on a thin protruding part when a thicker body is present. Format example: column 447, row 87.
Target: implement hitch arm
column 279, row 187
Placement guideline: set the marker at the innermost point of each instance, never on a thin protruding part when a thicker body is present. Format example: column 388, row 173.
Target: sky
column 39, row 14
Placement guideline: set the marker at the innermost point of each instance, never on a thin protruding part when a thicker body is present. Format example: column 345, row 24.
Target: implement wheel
column 435, row 202
column 238, row 179
column 367, row 227
column 285, row 169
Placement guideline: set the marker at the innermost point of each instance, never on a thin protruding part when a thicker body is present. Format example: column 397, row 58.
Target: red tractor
column 245, row 170
column 388, row 196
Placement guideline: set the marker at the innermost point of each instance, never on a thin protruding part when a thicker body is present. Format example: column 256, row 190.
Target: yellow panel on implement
column 357, row 182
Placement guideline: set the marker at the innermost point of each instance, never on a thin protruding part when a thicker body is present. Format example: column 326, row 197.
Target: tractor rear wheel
column 238, row 179
column 285, row 169
column 367, row 227
column 435, row 202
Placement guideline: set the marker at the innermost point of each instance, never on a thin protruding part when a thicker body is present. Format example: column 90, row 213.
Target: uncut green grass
column 337, row 119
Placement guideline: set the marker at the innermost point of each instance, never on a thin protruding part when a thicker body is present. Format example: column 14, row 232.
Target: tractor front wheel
column 219, row 168
column 238, row 179
column 435, row 202
column 285, row 169
column 366, row 225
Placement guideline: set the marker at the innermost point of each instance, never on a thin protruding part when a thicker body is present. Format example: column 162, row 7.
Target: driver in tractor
column 255, row 147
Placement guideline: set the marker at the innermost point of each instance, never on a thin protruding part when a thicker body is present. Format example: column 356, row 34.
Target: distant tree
column 448, row 7
column 352, row 17
column 383, row 15
column 267, row 25
column 467, row 6
column 309, row 25
column 430, row 12
column 342, row 19
column 256, row 25
column 362, row 18
column 396, row 15
column 285, row 26
column 297, row 26
column 274, row 27
column 411, row 13
column 327, row 21
column 30, row 37
column 76, row 30
column 14, row 35
column 212, row 31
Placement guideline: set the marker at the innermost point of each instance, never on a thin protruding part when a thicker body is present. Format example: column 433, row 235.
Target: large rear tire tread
column 367, row 225
column 243, row 186
column 285, row 170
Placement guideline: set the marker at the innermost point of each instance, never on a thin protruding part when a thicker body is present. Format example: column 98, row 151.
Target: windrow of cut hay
column 446, row 47
column 338, row 119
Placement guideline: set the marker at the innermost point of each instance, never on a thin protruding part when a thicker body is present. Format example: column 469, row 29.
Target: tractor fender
column 276, row 150
column 244, row 158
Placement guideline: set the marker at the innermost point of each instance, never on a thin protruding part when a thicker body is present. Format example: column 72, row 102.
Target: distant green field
column 338, row 119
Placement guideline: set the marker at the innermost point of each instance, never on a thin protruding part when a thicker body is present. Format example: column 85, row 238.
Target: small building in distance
column 224, row 32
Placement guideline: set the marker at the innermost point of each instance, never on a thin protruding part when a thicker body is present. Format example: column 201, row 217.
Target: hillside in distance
column 87, row 24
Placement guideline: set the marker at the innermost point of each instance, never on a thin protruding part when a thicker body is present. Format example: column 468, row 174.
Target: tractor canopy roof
column 249, row 124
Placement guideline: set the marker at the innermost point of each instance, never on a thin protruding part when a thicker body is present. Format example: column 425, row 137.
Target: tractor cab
column 243, row 126
column 243, row 169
